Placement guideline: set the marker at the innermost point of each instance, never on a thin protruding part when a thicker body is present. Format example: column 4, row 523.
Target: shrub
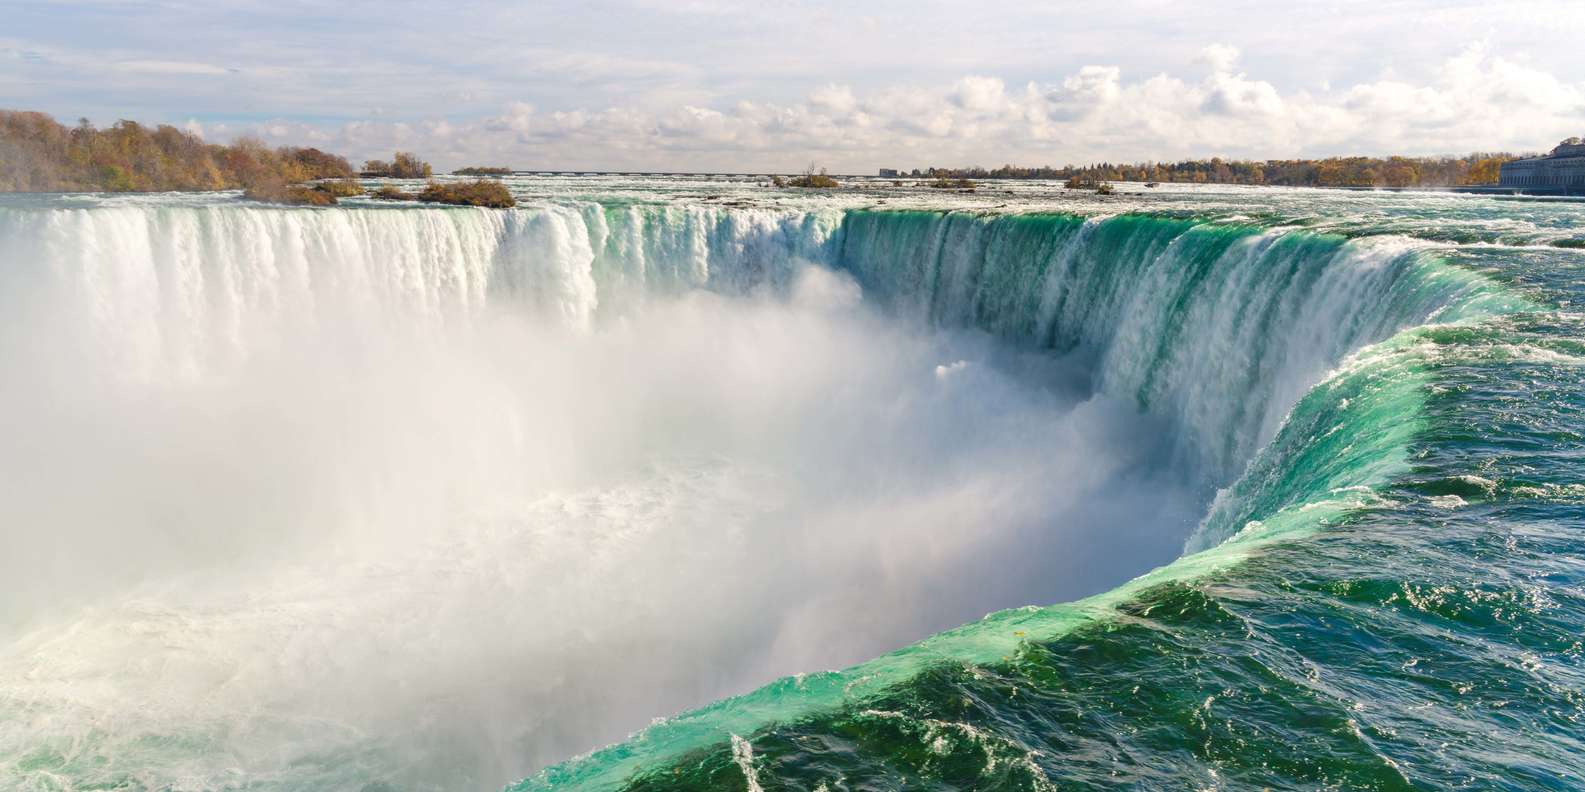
column 814, row 181
column 484, row 192
column 944, row 183
column 291, row 194
column 341, row 188
column 389, row 193
column 403, row 165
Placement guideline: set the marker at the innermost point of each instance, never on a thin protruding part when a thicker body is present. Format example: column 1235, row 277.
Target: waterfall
column 1220, row 328
column 317, row 470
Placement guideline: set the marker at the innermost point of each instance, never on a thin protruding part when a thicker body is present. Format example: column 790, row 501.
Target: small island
column 493, row 171
column 482, row 192
column 403, row 165
column 961, row 185
column 1086, row 183
column 809, row 180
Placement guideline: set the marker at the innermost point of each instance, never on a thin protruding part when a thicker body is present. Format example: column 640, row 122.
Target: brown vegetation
column 403, row 165
column 325, row 193
column 341, row 188
column 815, row 181
column 290, row 194
column 484, row 192
column 945, row 183
column 389, row 193
column 39, row 155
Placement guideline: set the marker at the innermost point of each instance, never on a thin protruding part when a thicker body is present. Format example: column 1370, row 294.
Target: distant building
column 888, row 173
column 1561, row 171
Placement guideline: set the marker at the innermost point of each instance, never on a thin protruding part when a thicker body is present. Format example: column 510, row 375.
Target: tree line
column 1473, row 169
column 38, row 154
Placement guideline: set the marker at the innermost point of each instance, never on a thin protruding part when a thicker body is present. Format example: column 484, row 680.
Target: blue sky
column 707, row 84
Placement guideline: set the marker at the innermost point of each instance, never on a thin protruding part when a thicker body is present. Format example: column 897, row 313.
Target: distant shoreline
column 871, row 182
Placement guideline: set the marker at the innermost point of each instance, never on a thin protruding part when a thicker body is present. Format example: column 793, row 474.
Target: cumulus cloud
column 1220, row 57
column 1475, row 100
column 835, row 98
column 518, row 118
column 979, row 94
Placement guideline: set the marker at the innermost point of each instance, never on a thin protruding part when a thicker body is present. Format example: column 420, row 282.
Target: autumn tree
column 39, row 154
column 1486, row 170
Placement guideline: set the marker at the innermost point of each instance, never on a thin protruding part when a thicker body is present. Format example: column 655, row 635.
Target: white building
column 1561, row 171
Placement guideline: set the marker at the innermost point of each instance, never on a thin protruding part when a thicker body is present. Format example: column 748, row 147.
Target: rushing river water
column 387, row 497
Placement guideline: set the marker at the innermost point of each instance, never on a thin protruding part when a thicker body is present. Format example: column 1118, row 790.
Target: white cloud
column 1220, row 57
column 1473, row 101
column 714, row 86
column 1234, row 95
column 981, row 94
column 1083, row 92
column 835, row 98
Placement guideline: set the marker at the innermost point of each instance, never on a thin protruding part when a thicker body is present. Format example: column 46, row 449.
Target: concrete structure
column 1562, row 171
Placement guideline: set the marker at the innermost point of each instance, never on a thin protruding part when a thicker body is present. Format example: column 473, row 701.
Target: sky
column 774, row 86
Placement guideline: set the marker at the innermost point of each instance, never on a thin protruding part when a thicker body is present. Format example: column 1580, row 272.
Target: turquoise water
column 1425, row 640
column 1360, row 414
column 1387, row 597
